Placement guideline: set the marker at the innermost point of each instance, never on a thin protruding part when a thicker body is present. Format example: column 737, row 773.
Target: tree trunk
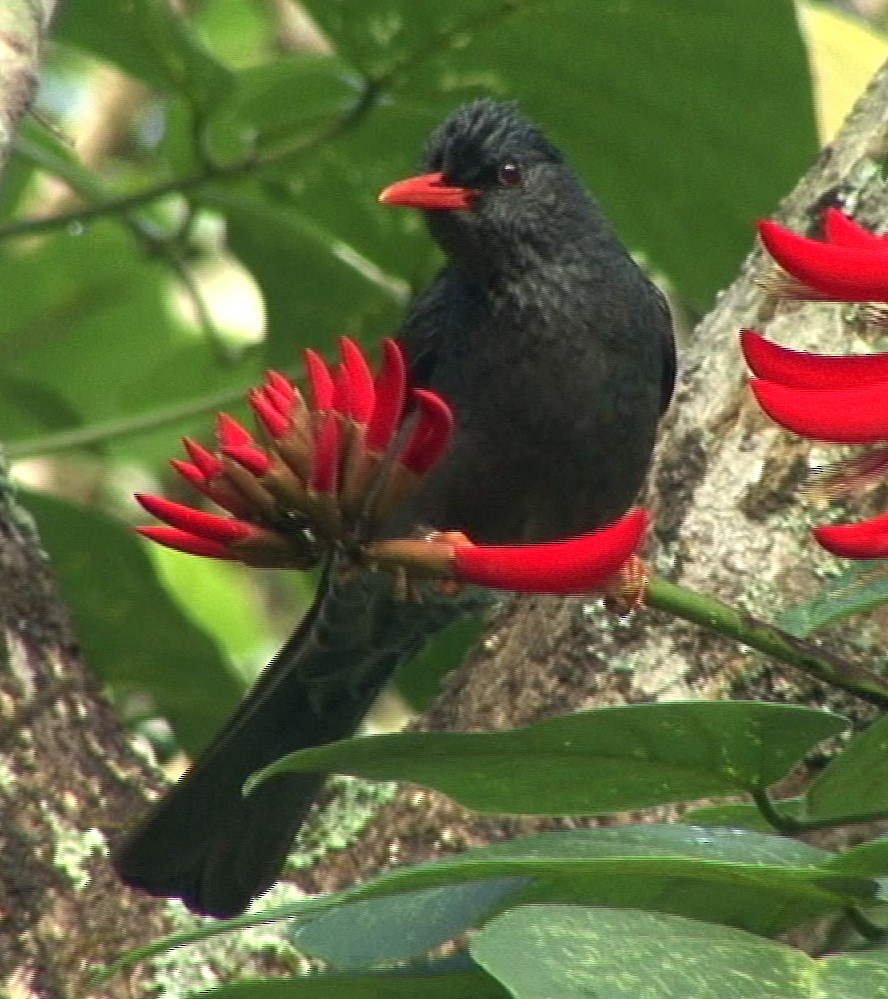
column 67, row 767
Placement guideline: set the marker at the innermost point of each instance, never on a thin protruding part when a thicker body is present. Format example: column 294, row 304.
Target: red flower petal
column 341, row 391
column 360, row 381
column 205, row 460
column 232, row 434
column 799, row 369
column 389, row 390
column 197, row 522
column 325, row 459
column 319, row 379
column 282, row 388
column 430, row 436
column 840, row 416
column 183, row 541
column 838, row 228
column 269, row 414
column 250, row 457
column 573, row 566
column 844, row 273
column 190, row 473
column 281, row 402
column 218, row 490
column 867, row 539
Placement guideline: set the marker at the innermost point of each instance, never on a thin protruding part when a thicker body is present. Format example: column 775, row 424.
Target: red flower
column 799, row 369
column 832, row 398
column 867, row 539
column 851, row 267
column 575, row 565
column 306, row 483
column 322, row 476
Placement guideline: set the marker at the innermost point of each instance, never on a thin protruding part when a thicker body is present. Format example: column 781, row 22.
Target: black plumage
column 556, row 354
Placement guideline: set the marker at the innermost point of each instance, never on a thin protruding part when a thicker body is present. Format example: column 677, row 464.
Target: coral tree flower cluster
column 325, row 471
column 832, row 398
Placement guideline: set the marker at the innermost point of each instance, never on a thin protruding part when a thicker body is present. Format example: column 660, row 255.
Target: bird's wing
column 420, row 333
column 667, row 341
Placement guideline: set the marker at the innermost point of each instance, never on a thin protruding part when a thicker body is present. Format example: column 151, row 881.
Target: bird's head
column 495, row 186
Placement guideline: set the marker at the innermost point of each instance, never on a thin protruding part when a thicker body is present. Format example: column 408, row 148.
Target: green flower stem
column 721, row 619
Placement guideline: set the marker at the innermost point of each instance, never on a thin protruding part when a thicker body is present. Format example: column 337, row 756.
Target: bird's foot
column 624, row 592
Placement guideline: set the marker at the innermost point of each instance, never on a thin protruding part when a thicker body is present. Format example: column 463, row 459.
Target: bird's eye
column 511, row 175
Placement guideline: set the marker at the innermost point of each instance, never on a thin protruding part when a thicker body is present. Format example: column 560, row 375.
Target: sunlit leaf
column 573, row 953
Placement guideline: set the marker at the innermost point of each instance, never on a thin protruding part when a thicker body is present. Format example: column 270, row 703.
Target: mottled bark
column 23, row 25
column 67, row 772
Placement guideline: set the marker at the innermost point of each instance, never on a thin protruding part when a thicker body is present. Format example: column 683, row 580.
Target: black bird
column 557, row 356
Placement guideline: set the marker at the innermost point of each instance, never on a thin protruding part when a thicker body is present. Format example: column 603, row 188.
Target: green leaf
column 855, row 784
column 44, row 149
column 861, row 588
column 764, row 884
column 741, row 816
column 280, row 101
column 575, row 953
column 399, row 927
column 149, row 40
column 132, row 634
column 594, row 762
column 641, row 112
column 868, row 859
column 407, row 983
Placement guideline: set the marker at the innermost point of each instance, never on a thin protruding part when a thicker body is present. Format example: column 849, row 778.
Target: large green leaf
column 220, row 598
column 867, row 859
column 97, row 338
column 740, row 816
column 151, row 41
column 94, row 323
column 594, row 762
column 855, row 784
column 399, row 927
column 132, row 634
column 278, row 102
column 574, row 953
column 764, row 884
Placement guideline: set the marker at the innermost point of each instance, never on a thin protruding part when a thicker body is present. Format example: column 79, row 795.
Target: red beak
column 428, row 191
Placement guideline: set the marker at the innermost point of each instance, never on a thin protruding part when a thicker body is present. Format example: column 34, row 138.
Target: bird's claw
column 625, row 591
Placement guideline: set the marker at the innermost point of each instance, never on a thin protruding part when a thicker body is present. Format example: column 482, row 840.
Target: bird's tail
column 206, row 843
